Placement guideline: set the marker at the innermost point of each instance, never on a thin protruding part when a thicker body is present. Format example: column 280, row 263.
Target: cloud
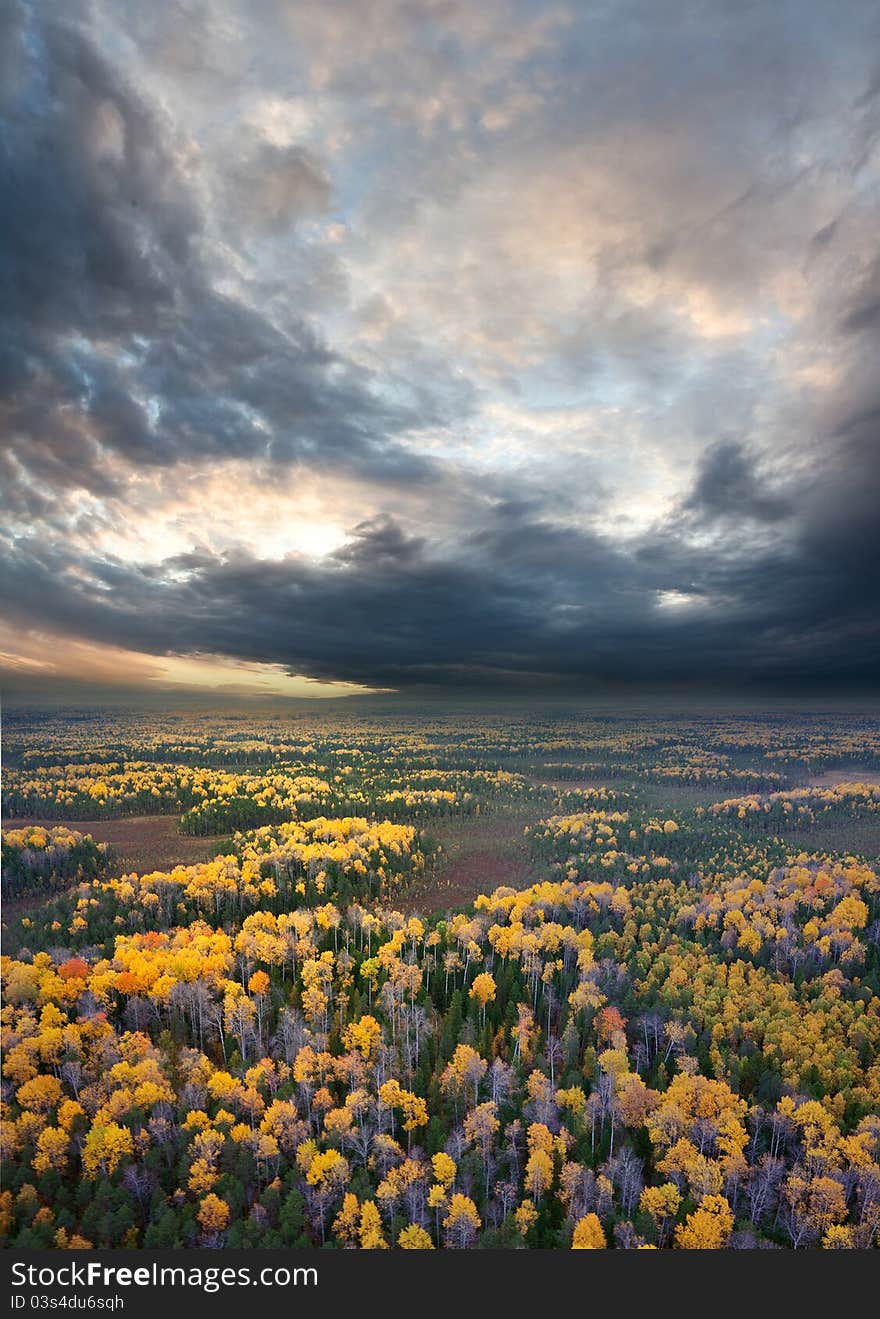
column 119, row 338
column 519, row 597
column 444, row 343
column 728, row 486
column 272, row 187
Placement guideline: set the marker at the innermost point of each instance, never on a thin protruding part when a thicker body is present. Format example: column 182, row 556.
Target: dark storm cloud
column 838, row 523
column 115, row 341
column 520, row 598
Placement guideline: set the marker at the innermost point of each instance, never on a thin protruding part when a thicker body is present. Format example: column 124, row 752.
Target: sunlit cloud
column 676, row 600
column 48, row 655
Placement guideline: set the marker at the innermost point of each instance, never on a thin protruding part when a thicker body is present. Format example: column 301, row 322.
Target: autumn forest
column 381, row 982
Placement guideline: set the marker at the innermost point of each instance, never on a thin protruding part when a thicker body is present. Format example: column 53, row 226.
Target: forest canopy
column 663, row 1034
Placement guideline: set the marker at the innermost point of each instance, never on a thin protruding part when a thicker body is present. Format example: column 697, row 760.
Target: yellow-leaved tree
column 414, row 1238
column 213, row 1214
column 708, row 1227
column 588, row 1234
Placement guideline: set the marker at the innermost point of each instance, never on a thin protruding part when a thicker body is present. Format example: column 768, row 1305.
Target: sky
column 356, row 345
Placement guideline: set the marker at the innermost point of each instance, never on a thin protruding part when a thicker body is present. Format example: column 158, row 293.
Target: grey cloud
column 864, row 311
column 728, row 486
column 272, row 187
column 115, row 339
